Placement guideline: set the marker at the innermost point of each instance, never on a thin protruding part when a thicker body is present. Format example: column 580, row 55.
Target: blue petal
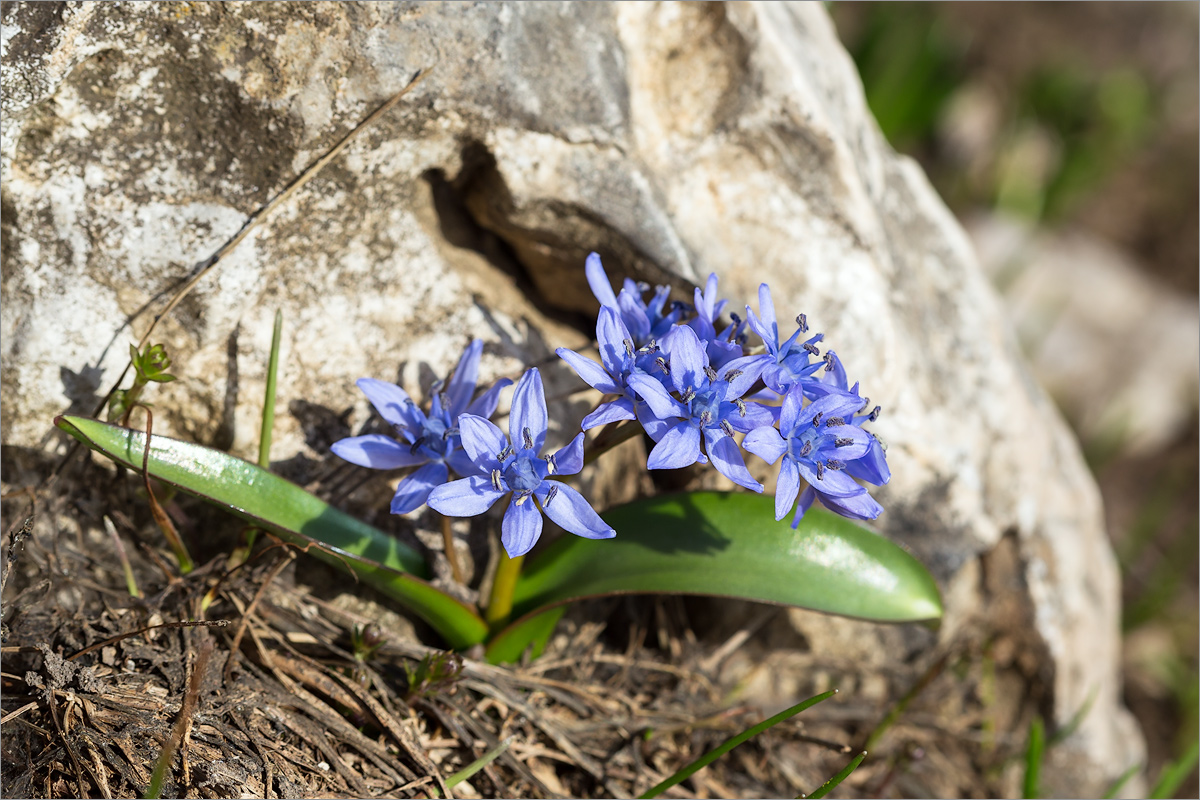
column 597, row 278
column 786, row 488
column 755, row 416
column 633, row 313
column 850, row 453
column 414, row 490
column 611, row 335
column 688, row 359
column 392, row 403
column 482, row 440
column 804, row 504
column 521, row 527
column 462, row 383
column 766, row 307
column 376, row 451
column 836, row 376
column 466, row 497
column 727, row 458
column 873, row 467
column 463, row 464
column 763, row 331
column 569, row 460
column 661, row 404
column 485, row 405
column 833, row 482
column 749, row 367
column 572, row 512
column 592, row 373
column 615, row 411
column 679, row 447
column 859, row 506
column 766, row 443
column 655, row 428
column 528, row 412
column 789, row 414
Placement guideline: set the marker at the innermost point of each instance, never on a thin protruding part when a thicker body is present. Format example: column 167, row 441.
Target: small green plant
column 149, row 366
column 434, row 674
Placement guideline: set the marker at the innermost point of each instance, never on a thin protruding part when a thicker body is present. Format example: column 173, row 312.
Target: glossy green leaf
column 297, row 516
column 730, row 545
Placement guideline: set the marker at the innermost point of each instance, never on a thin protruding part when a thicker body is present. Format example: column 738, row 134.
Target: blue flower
column 645, row 321
column 430, row 440
column 695, row 403
column 722, row 347
column 786, row 363
column 617, row 355
column 517, row 468
column 816, row 443
column 873, row 467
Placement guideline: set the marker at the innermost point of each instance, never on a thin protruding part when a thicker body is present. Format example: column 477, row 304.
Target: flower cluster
column 693, row 388
column 692, row 382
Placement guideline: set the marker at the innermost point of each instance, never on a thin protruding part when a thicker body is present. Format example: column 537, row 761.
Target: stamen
column 628, row 347
column 725, row 426
column 820, row 472
column 706, row 418
column 842, row 442
column 802, row 322
column 648, row 347
column 550, row 494
column 804, row 451
column 834, row 422
column 866, row 402
column 505, row 453
column 829, row 362
column 643, row 287
column 811, row 348
column 817, row 419
column 526, row 496
column 733, row 374
column 710, row 373
column 416, row 446
column 551, row 467
column 663, row 365
column 526, row 439
column 833, row 463
column 687, row 396
column 741, row 406
column 496, row 480
column 875, row 413
column 736, row 319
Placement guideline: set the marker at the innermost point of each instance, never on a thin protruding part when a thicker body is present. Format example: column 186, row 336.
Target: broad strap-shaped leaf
column 712, row 543
column 297, row 516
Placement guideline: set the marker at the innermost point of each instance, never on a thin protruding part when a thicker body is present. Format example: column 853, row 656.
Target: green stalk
column 268, row 415
column 268, row 424
column 831, row 784
column 503, row 585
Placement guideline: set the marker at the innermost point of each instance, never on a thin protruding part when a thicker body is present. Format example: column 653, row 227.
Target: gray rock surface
column 675, row 139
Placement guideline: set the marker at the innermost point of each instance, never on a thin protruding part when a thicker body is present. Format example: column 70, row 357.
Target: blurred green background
column 1077, row 120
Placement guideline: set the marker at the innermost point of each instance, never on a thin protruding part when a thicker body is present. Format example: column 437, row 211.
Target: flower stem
column 612, row 435
column 503, row 585
column 451, row 554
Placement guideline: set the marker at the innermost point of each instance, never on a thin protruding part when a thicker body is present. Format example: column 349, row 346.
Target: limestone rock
column 675, row 139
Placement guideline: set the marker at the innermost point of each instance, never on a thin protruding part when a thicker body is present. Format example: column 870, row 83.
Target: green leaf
column 730, row 545
column 1033, row 758
column 532, row 631
column 295, row 515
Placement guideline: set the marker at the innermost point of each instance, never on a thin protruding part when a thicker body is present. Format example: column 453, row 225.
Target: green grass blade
column 1174, row 773
column 1033, row 758
column 711, row 756
column 1121, row 780
column 831, row 784
column 268, row 415
column 297, row 516
column 478, row 764
column 532, row 631
column 729, row 544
